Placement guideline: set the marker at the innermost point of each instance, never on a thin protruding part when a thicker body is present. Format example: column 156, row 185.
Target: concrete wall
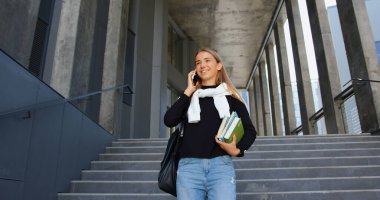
column 142, row 24
column 144, row 63
column 114, row 67
column 78, row 61
column 17, row 25
column 89, row 54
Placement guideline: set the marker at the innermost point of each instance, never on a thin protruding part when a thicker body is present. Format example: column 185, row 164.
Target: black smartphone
column 195, row 79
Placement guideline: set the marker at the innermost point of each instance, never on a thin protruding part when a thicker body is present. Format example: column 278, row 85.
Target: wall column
column 362, row 59
column 252, row 103
column 64, row 51
column 305, row 94
column 113, row 68
column 159, row 70
column 274, row 90
column 326, row 64
column 265, row 100
column 285, row 82
column 259, row 106
column 142, row 109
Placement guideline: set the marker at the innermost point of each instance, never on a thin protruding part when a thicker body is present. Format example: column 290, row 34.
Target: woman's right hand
column 190, row 87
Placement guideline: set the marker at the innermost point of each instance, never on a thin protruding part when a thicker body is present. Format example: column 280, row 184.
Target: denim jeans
column 200, row 178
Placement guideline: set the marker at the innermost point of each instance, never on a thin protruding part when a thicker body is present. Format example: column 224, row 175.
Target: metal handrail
column 54, row 102
column 345, row 94
column 265, row 41
column 349, row 91
column 361, row 80
column 341, row 98
column 296, row 130
column 316, row 116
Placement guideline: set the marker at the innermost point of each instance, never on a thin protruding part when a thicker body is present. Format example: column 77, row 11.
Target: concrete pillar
column 284, row 75
column 64, row 51
column 274, row 91
column 159, row 71
column 252, row 103
column 326, row 64
column 83, row 51
column 141, row 108
column 305, row 94
column 259, row 106
column 268, row 131
column 113, row 68
column 362, row 59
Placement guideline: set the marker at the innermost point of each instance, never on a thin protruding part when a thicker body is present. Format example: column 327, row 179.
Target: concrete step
column 244, row 186
column 120, row 175
column 251, row 154
column 309, row 195
column 261, row 147
column 293, row 167
column 250, row 163
column 261, row 140
column 315, row 146
column 314, row 195
column 104, row 196
column 241, row 174
column 307, row 162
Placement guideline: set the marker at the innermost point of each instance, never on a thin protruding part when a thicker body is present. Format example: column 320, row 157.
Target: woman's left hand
column 230, row 148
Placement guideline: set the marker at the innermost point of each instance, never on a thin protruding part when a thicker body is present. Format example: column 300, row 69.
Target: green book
column 235, row 128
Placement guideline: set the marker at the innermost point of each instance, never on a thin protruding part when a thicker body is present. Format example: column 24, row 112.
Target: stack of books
column 230, row 125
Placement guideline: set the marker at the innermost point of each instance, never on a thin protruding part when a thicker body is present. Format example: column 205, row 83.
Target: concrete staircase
column 330, row 167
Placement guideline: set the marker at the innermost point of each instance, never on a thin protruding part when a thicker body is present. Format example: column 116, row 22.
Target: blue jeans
column 200, row 178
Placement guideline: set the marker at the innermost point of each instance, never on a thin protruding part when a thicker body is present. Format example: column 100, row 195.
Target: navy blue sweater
column 199, row 138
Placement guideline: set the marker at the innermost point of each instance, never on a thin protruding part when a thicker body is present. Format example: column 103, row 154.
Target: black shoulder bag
column 167, row 177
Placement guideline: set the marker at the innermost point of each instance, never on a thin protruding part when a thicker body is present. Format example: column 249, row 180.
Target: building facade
column 82, row 47
column 86, row 72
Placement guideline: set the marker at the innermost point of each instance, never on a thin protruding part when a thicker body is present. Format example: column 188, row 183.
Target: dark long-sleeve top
column 199, row 138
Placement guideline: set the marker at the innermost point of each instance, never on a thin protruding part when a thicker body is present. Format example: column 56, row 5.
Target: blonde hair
column 222, row 74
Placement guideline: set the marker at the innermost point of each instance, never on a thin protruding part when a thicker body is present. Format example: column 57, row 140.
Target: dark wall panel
column 15, row 93
column 41, row 153
column 70, row 149
column 13, row 158
column 10, row 189
column 14, row 130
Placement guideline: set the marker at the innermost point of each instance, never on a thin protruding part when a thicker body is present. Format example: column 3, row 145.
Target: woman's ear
column 219, row 66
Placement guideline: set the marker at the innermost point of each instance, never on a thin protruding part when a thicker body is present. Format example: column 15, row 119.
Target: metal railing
column 341, row 98
column 296, row 130
column 29, row 108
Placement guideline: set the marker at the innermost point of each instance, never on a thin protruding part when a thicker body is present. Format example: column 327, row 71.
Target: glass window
column 378, row 49
column 174, row 48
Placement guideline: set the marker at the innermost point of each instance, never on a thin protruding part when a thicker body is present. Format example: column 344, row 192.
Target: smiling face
column 207, row 67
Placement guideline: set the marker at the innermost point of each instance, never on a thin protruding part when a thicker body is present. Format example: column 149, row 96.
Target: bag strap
column 182, row 125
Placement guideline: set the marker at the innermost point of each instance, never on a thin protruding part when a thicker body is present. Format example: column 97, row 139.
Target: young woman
column 205, row 168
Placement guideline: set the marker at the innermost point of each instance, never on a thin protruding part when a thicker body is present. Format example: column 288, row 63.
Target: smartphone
column 195, row 79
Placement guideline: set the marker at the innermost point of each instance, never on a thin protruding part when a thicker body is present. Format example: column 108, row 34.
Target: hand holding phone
column 195, row 79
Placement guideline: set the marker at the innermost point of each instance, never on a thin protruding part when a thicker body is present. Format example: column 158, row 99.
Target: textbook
column 230, row 125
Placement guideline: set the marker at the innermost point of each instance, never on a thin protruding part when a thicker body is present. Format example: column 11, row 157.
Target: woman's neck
column 208, row 82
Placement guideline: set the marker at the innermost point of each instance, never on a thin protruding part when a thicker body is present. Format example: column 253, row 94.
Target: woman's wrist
column 236, row 152
column 188, row 92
